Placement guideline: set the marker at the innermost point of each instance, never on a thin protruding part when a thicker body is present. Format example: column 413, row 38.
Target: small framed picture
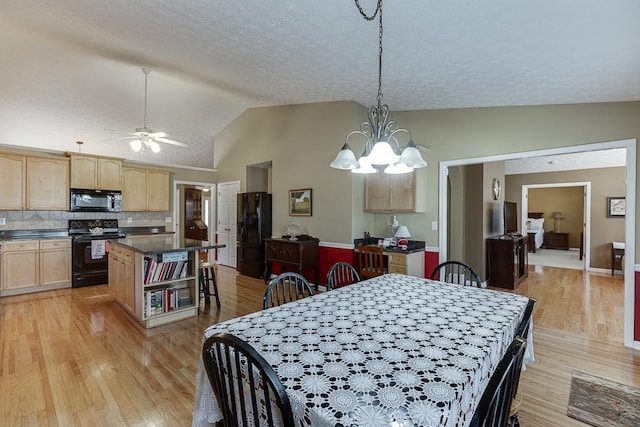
column 616, row 207
column 300, row 202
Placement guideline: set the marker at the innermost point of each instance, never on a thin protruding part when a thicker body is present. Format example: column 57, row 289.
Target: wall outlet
column 434, row 225
column 129, row 220
column 3, row 221
column 168, row 219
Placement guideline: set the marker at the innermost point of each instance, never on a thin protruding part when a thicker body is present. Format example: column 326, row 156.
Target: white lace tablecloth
column 393, row 348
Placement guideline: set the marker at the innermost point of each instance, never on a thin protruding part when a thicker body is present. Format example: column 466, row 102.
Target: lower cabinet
column 55, row 261
column 35, row 265
column 121, row 279
column 411, row 264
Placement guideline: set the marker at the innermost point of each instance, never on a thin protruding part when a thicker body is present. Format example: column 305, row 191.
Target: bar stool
column 207, row 276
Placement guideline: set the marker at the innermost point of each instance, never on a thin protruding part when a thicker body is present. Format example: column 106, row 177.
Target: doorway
column 226, row 227
column 578, row 246
column 629, row 224
column 206, row 209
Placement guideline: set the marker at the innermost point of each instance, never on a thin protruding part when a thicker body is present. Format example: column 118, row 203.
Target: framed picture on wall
column 300, row 202
column 616, row 207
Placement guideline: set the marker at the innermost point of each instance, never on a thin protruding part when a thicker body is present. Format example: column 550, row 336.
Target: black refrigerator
column 254, row 225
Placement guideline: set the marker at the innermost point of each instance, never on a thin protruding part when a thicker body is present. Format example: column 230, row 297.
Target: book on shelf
column 155, row 271
column 167, row 299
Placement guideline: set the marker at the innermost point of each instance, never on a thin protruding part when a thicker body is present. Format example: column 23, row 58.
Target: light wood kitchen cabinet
column 95, row 172
column 145, row 190
column 410, row 264
column 20, row 266
column 47, row 184
column 157, row 190
column 35, row 264
column 55, row 261
column 121, row 276
column 12, row 182
column 402, row 193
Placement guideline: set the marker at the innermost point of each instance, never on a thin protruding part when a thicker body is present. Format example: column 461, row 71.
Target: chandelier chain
column 377, row 12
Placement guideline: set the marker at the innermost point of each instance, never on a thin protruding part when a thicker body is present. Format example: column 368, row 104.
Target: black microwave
column 95, row 200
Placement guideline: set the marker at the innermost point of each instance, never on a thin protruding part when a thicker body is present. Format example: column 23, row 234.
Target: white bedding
column 539, row 238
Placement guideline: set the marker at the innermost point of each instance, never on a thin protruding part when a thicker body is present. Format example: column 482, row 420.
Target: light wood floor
column 71, row 357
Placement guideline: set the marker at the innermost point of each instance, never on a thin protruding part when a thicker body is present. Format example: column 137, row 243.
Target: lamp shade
column 397, row 169
column 364, row 165
column 382, row 154
column 345, row 159
column 136, row 145
column 403, row 232
column 411, row 157
column 558, row 215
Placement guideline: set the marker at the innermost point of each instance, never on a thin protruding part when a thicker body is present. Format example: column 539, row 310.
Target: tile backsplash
column 30, row 220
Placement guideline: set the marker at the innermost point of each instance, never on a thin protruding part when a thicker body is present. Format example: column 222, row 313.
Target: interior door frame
column 629, row 220
column 586, row 207
column 177, row 207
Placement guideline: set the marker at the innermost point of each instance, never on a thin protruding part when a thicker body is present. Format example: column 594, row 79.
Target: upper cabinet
column 402, row 193
column 47, row 184
column 12, row 181
column 93, row 172
column 145, row 190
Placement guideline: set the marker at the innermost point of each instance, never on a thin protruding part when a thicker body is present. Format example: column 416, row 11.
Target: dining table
column 394, row 350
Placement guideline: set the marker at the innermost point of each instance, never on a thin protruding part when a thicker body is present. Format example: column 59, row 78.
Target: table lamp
column 558, row 216
column 402, row 233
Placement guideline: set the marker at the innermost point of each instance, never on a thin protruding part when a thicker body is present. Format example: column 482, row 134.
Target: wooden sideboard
column 301, row 254
column 507, row 260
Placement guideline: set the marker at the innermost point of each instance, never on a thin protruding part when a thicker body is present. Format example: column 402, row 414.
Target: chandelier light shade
column 382, row 150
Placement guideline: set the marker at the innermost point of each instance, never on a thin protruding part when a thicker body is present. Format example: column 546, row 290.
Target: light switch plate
column 129, row 220
column 3, row 221
column 168, row 219
column 434, row 225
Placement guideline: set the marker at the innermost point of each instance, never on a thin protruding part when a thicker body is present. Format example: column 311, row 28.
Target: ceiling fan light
column 155, row 147
column 411, row 157
column 136, row 145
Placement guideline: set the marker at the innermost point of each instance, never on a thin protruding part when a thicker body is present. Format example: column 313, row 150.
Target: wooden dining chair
column 284, row 288
column 341, row 274
column 247, row 388
column 495, row 402
column 371, row 260
column 456, row 272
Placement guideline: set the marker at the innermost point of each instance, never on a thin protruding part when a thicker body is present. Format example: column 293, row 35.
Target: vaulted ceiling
column 71, row 69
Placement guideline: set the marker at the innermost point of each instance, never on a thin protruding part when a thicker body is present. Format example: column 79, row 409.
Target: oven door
column 87, row 269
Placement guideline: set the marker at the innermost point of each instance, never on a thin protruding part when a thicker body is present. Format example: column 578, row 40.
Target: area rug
column 603, row 403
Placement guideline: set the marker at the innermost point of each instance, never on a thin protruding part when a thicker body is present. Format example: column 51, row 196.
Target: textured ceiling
column 564, row 162
column 71, row 69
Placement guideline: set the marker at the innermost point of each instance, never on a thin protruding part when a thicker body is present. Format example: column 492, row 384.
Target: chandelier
column 382, row 150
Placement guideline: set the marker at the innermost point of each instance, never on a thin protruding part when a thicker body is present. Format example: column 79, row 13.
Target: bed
column 535, row 230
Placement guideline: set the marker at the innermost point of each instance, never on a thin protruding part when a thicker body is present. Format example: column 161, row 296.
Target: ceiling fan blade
column 157, row 134
column 171, row 141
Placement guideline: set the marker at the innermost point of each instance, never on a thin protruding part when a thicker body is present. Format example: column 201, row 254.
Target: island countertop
column 164, row 244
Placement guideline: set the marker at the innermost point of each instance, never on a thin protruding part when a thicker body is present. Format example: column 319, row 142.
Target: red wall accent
column 328, row 256
column 636, row 326
column 431, row 261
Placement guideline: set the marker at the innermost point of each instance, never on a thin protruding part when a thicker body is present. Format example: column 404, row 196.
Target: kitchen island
column 155, row 278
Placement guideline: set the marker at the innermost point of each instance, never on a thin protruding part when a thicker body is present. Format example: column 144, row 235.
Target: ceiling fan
column 143, row 138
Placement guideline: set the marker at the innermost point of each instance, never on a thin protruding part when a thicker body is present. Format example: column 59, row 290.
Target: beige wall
column 302, row 140
column 604, row 182
column 569, row 201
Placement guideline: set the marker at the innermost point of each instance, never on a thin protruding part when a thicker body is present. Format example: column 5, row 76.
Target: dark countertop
column 412, row 247
column 138, row 231
column 164, row 244
column 35, row 234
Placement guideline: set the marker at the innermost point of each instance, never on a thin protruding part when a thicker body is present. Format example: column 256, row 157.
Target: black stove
column 89, row 260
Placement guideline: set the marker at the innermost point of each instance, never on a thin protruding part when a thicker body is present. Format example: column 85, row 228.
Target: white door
column 227, row 207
